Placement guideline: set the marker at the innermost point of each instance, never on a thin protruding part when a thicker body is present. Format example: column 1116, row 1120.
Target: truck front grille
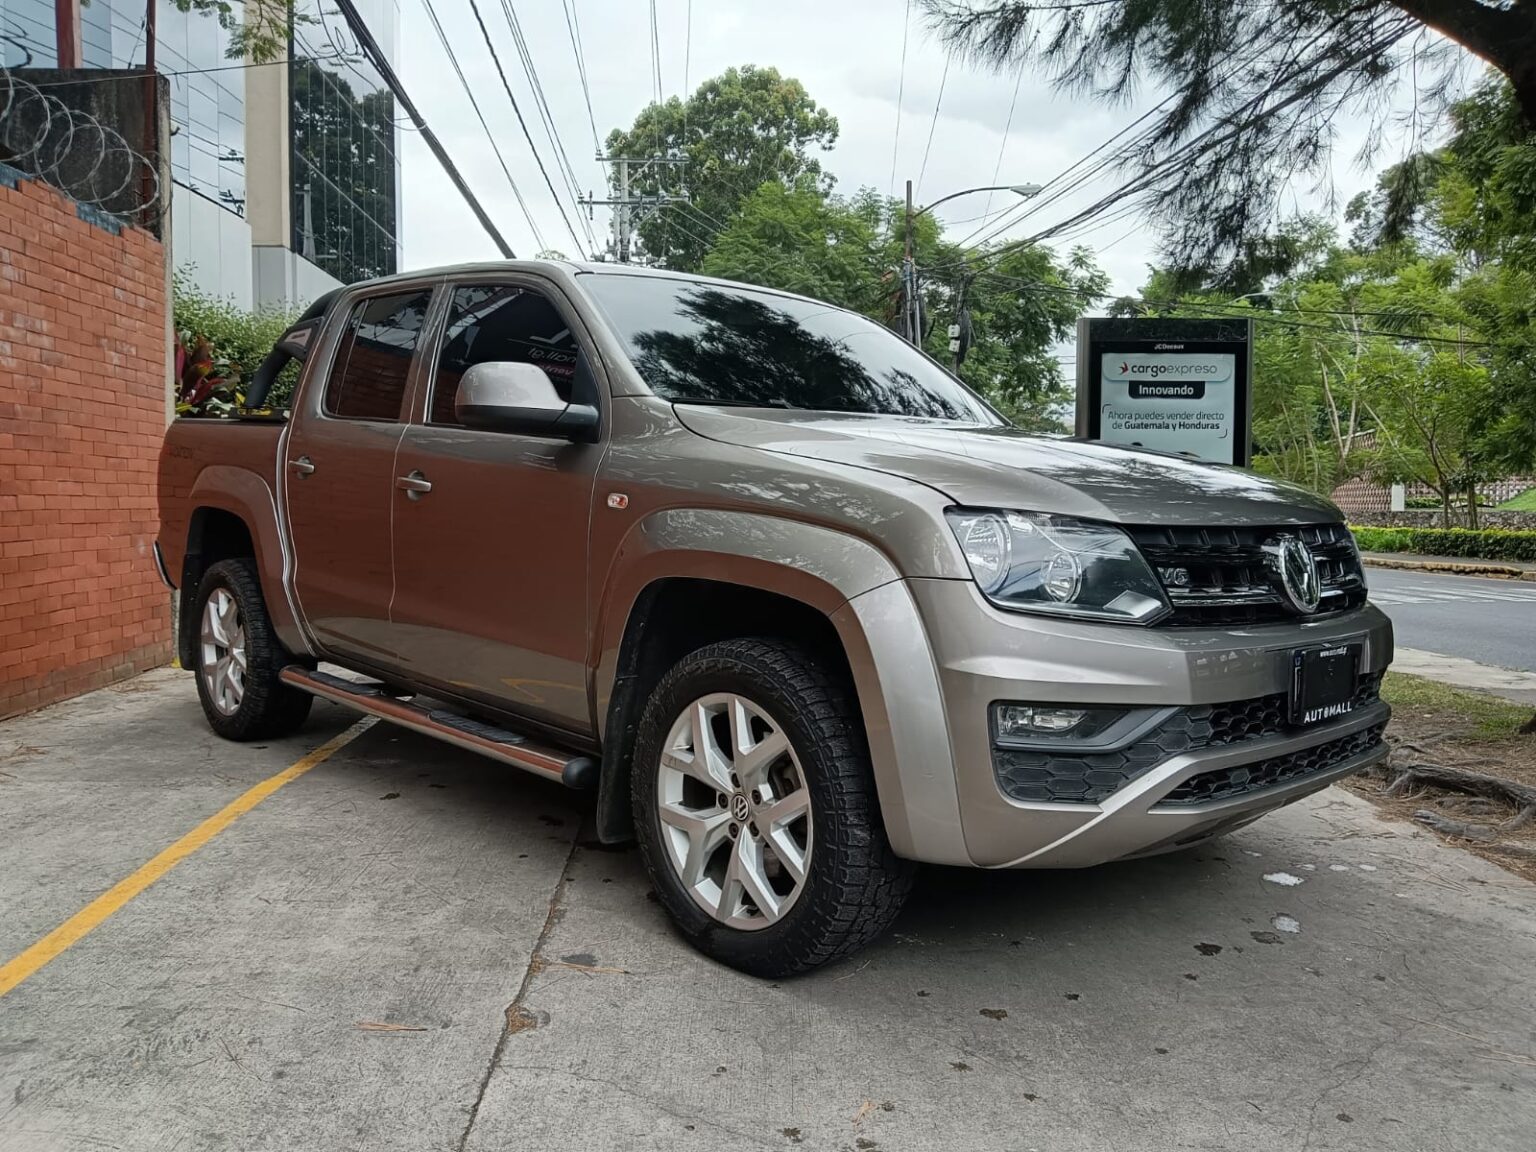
column 1225, row 783
column 1219, row 576
column 1062, row 777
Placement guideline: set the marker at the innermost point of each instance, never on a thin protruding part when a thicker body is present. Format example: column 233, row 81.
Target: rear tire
column 770, row 852
column 238, row 658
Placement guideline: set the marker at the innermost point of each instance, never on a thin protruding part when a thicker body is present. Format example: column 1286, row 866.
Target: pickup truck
column 796, row 605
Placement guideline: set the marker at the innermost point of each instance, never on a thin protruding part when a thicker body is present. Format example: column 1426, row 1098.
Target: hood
column 1006, row 468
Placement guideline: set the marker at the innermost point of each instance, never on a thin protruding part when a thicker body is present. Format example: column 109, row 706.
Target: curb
column 1455, row 568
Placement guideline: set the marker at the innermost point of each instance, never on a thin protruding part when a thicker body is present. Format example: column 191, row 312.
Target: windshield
column 708, row 344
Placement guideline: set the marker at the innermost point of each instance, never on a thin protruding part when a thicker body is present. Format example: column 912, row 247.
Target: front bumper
column 984, row 655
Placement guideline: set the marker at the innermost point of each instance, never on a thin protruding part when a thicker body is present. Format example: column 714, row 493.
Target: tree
column 739, row 130
column 1021, row 308
column 352, row 208
column 802, row 241
column 258, row 28
column 1364, row 339
column 1435, row 409
column 1256, row 88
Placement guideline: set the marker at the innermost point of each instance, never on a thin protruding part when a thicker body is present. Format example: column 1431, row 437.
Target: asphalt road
column 1490, row 621
column 409, row 948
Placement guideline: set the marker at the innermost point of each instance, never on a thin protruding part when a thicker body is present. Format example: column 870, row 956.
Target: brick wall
column 82, row 414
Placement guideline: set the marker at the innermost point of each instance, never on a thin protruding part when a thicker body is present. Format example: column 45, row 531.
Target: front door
column 491, row 558
column 339, row 477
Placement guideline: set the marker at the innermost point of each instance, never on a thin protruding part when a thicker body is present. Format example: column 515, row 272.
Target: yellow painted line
column 85, row 921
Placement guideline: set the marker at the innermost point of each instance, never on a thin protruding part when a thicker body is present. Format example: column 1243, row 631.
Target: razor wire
column 46, row 139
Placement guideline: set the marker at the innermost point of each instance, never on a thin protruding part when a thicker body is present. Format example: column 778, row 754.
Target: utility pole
column 909, row 278
column 960, row 330
column 914, row 318
column 629, row 210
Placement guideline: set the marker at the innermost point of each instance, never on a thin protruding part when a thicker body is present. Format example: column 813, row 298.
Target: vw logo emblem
column 740, row 809
column 1295, row 570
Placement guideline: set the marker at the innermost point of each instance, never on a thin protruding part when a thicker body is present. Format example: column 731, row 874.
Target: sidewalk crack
column 517, row 1018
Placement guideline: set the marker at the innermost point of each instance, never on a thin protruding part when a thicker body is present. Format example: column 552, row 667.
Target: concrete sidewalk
column 1454, row 565
column 1506, row 683
column 408, row 948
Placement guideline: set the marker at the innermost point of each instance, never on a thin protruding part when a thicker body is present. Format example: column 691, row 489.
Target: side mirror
column 506, row 396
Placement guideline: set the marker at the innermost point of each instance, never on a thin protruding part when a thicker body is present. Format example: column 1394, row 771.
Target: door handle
column 303, row 465
column 415, row 486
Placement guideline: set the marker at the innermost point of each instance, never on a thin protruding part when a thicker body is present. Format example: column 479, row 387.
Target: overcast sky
column 846, row 52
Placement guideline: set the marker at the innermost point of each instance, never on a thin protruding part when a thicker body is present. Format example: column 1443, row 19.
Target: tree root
column 1520, row 818
column 1512, row 792
column 1448, row 827
column 1519, row 851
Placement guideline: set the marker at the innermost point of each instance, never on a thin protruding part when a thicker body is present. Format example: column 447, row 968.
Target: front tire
column 239, row 658
column 756, row 812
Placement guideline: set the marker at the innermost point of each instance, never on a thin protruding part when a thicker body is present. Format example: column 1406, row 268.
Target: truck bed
column 203, row 461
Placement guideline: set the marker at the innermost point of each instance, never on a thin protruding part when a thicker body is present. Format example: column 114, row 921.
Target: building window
column 342, row 122
column 207, row 89
column 28, row 38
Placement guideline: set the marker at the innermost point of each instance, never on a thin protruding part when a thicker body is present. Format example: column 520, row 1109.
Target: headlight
column 1034, row 562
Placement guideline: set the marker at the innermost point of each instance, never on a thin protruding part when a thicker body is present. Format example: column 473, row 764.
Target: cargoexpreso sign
column 1170, row 402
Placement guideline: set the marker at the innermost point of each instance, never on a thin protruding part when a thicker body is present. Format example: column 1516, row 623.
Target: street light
column 913, row 322
column 1024, row 190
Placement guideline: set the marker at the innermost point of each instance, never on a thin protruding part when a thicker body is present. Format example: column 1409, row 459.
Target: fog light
column 1021, row 720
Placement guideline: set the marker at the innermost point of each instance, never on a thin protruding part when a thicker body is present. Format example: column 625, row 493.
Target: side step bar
column 475, row 735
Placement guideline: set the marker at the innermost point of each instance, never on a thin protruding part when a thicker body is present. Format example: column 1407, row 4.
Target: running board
column 452, row 728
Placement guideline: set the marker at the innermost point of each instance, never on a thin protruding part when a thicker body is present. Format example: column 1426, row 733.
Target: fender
column 830, row 571
column 246, row 494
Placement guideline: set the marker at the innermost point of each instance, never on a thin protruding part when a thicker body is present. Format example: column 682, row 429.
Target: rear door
column 339, row 474
column 491, row 558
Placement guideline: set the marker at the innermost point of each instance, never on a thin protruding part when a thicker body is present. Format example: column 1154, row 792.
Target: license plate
column 1323, row 682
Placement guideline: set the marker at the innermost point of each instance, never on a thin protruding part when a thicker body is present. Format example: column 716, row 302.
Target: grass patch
column 1471, row 714
column 1525, row 502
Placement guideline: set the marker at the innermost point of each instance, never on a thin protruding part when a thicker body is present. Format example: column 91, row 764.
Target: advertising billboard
column 1179, row 386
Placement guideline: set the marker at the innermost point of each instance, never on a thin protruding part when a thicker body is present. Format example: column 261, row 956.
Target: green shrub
column 239, row 338
column 1482, row 544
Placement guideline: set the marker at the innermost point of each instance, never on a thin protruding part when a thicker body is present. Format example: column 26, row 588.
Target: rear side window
column 496, row 322
column 373, row 363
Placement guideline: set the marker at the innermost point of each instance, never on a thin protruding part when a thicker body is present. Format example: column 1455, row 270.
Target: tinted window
column 709, row 344
column 489, row 323
column 373, row 362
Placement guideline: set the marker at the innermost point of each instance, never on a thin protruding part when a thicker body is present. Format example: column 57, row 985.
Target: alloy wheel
column 223, row 652
column 735, row 811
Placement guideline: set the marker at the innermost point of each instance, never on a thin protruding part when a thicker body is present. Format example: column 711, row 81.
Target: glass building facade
column 342, row 196
column 207, row 109
column 344, row 168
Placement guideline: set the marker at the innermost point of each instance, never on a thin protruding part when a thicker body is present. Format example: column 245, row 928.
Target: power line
column 901, row 88
column 381, row 65
column 490, row 136
column 541, row 103
column 1230, row 126
column 1239, row 312
column 687, row 66
column 1003, row 147
column 656, row 55
column 527, row 135
column 573, row 26
column 1069, row 179
column 656, row 118
column 934, row 123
